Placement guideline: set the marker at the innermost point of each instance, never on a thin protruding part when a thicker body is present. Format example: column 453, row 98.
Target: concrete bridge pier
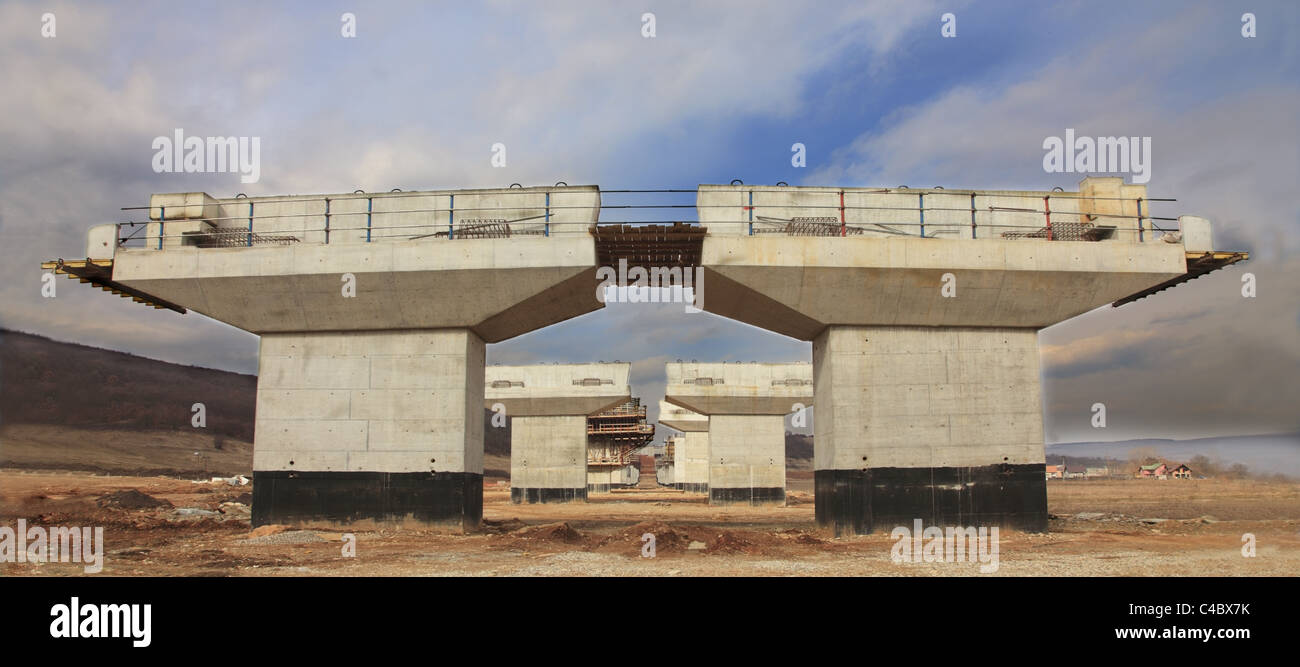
column 369, row 426
column 923, row 307
column 692, row 463
column 548, row 459
column 746, row 406
column 939, row 424
column 691, row 449
column 747, row 459
column 549, row 405
column 374, row 309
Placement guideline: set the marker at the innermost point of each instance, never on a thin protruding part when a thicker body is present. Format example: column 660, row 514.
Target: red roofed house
column 1156, row 470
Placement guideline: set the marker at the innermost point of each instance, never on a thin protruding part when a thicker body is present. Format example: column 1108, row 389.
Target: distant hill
column 798, row 446
column 1261, row 454
column 44, row 381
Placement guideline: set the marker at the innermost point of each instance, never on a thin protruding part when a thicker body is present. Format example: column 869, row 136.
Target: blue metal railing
column 910, row 221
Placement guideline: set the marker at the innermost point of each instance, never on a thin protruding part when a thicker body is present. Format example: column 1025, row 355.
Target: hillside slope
column 43, row 381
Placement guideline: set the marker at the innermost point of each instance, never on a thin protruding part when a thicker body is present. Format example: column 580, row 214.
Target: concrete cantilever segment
column 548, row 405
column 369, row 406
column 691, row 449
column 928, row 406
column 746, row 406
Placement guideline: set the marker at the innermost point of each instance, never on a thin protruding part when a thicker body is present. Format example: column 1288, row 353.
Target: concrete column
column 369, row 426
column 599, row 480
column 939, row 424
column 664, row 475
column 690, row 449
column 692, row 462
column 549, row 405
column 746, row 459
column 607, row 478
column 548, row 459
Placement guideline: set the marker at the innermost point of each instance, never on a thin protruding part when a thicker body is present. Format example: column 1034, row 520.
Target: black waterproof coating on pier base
column 452, row 499
column 518, row 495
column 747, row 496
column 880, row 499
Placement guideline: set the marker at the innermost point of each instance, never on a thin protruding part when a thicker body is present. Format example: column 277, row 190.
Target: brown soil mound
column 131, row 499
column 555, row 532
column 668, row 539
column 730, row 543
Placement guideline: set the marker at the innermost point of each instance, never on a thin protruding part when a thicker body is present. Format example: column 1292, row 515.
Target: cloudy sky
column 873, row 90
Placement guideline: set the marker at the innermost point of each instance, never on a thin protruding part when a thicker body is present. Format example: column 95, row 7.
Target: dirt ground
column 174, row 527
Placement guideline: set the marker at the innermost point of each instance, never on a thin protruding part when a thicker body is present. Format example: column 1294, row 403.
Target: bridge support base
column 533, row 495
column 449, row 499
column 370, row 427
column 746, row 460
column 938, row 424
column 548, row 459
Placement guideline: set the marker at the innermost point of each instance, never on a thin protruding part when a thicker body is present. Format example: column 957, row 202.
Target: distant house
column 1096, row 472
column 1055, row 472
column 1180, row 472
column 1154, row 470
column 1075, row 472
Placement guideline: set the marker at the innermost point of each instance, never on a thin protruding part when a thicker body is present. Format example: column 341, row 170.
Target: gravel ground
column 1130, row 528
